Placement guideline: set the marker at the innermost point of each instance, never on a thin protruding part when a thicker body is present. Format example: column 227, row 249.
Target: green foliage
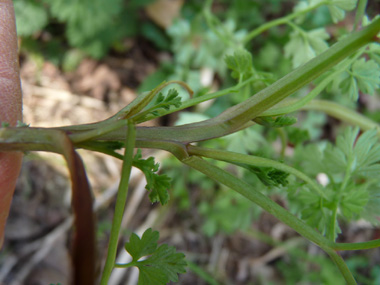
column 350, row 166
column 304, row 46
column 362, row 75
column 162, row 264
column 300, row 267
column 270, row 176
column 165, row 102
column 241, row 64
column 157, row 184
column 196, row 47
column 92, row 26
column 31, row 16
column 200, row 42
column 227, row 213
column 162, row 103
column 338, row 8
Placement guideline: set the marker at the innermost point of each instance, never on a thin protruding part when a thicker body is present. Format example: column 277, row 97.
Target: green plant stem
column 140, row 102
column 94, row 133
column 286, row 107
column 342, row 266
column 213, row 95
column 281, row 21
column 360, row 12
column 357, row 246
column 342, row 113
column 239, row 116
column 238, row 158
column 248, row 191
column 120, row 203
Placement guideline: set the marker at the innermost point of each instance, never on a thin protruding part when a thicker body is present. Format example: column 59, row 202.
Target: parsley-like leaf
column 304, row 46
column 163, row 264
column 354, row 200
column 338, row 8
column 165, row 102
column 138, row 248
column 363, row 75
column 269, row 176
column 161, row 103
column 240, row 63
column 156, row 184
column 360, row 155
column 351, row 165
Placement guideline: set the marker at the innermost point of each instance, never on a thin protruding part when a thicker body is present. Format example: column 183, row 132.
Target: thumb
column 10, row 106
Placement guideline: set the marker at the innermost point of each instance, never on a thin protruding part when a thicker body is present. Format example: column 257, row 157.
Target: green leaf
column 163, row 264
column 94, row 26
column 374, row 52
column 361, row 75
column 31, row 16
column 367, row 75
column 240, row 63
column 354, row 201
column 269, row 175
column 338, row 8
column 156, row 184
column 165, row 102
column 172, row 99
column 304, row 46
column 141, row 247
column 89, row 16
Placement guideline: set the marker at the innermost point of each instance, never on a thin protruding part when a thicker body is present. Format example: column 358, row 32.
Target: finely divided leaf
column 157, row 184
column 164, row 260
column 363, row 75
column 304, row 46
column 354, row 201
column 338, row 8
column 269, row 176
column 163, row 264
column 165, row 102
column 241, row 64
column 161, row 103
column 367, row 74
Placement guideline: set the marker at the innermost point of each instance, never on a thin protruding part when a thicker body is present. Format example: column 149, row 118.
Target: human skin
column 10, row 106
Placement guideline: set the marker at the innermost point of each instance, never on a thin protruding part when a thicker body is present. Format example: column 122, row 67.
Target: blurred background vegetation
column 82, row 60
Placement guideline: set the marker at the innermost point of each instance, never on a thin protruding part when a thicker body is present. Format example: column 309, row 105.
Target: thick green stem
column 120, row 203
column 240, row 115
column 94, row 133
